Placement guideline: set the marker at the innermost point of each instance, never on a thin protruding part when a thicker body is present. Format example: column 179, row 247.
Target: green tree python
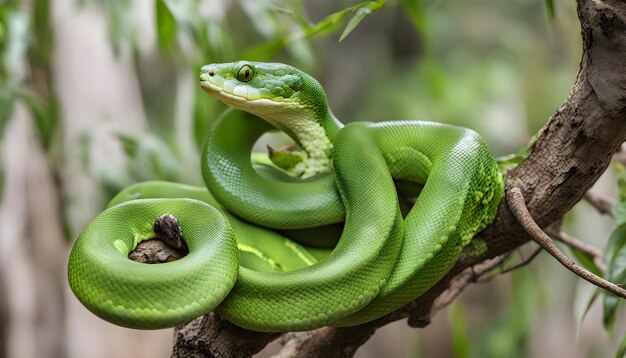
column 240, row 266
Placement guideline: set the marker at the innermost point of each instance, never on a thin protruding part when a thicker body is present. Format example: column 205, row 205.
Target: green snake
column 240, row 266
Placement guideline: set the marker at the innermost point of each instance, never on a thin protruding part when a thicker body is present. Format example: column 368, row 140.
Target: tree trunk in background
column 97, row 91
column 39, row 316
column 30, row 264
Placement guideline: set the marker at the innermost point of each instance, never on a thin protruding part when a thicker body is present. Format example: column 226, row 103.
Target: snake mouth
column 237, row 100
column 242, row 96
column 221, row 93
column 226, row 89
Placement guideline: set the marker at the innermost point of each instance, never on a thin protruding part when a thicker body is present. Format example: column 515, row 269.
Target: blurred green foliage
column 26, row 43
column 506, row 333
column 615, row 256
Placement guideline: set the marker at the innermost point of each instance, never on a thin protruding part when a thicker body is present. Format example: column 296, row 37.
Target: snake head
column 285, row 97
column 261, row 87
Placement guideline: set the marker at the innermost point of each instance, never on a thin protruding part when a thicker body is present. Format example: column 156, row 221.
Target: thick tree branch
column 573, row 149
column 211, row 336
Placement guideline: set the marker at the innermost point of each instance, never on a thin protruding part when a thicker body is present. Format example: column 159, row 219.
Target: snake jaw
column 237, row 97
column 221, row 94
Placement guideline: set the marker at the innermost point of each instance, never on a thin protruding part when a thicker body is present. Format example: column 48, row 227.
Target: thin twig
column 569, row 240
column 470, row 275
column 516, row 202
column 602, row 203
column 522, row 262
column 591, row 252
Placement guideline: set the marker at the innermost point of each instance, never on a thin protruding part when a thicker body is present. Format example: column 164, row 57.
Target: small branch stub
column 168, row 245
column 602, row 203
column 167, row 230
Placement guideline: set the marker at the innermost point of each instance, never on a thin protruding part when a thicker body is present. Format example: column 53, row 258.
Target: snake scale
column 241, row 265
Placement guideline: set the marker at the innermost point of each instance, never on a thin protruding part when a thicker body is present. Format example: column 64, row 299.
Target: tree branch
column 515, row 199
column 211, row 336
column 520, row 264
column 591, row 252
column 573, row 149
column 602, row 203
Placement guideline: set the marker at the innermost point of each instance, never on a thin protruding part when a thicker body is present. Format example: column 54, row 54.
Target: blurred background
column 96, row 95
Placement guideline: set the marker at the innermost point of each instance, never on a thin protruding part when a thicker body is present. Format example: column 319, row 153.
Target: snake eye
column 245, row 73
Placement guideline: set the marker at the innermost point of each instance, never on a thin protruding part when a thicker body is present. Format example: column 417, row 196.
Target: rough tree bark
column 573, row 149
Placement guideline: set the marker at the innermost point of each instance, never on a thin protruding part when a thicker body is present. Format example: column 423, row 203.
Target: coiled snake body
column 381, row 260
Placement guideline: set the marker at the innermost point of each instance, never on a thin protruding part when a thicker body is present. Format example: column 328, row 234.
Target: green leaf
column 43, row 33
column 129, row 144
column 2, row 33
column 297, row 12
column 7, row 101
column 509, row 161
column 509, row 332
column 359, row 15
column 13, row 56
column 581, row 312
column 550, row 9
column 334, row 21
column 586, row 261
column 414, row 9
column 149, row 157
column 84, row 145
column 166, row 25
column 615, row 254
column 41, row 15
column 44, row 114
column 619, row 212
column 2, row 174
column 615, row 242
column 620, row 173
column 330, row 23
column 460, row 339
column 609, row 304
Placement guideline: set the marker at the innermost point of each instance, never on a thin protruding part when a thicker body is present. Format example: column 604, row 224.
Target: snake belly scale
column 381, row 260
